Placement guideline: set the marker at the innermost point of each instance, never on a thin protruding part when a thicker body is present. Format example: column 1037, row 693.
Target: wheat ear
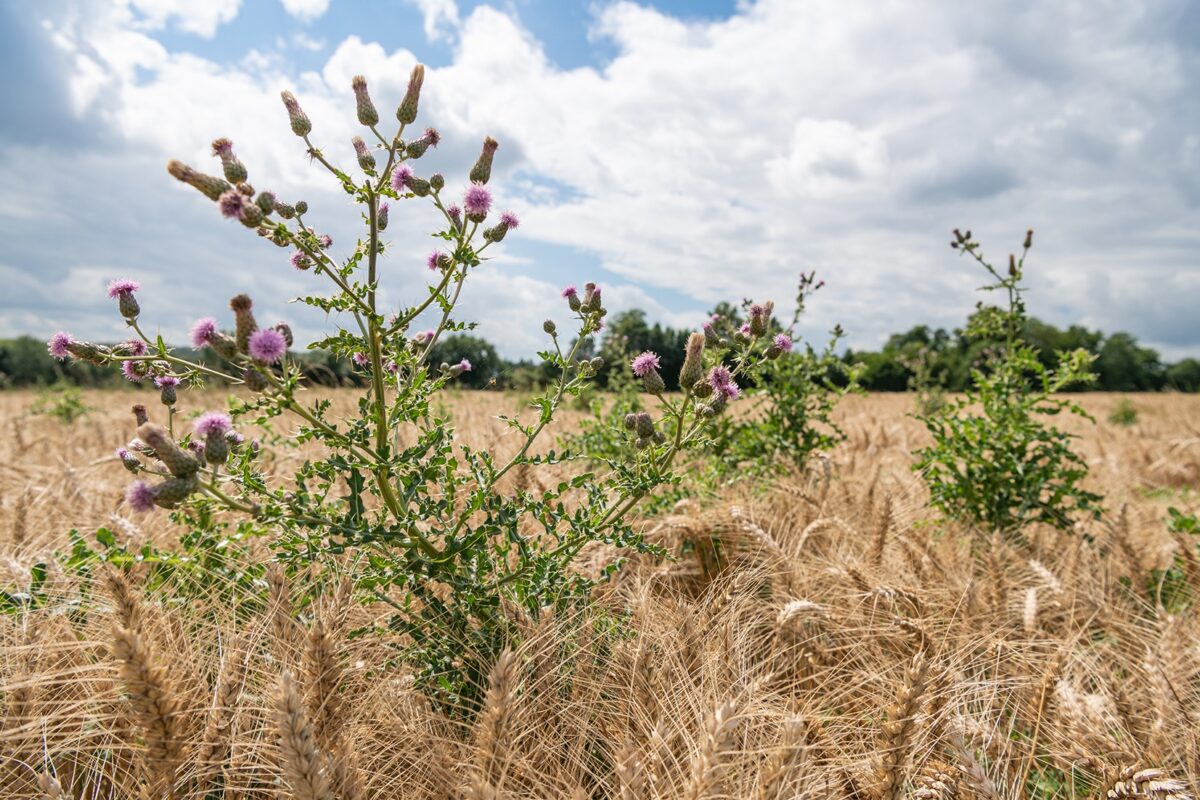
column 155, row 702
column 303, row 764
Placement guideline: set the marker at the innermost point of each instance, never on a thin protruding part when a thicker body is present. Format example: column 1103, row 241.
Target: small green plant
column 791, row 396
column 61, row 401
column 995, row 461
column 924, row 381
column 1124, row 414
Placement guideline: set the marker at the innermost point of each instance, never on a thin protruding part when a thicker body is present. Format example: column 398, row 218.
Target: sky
column 677, row 152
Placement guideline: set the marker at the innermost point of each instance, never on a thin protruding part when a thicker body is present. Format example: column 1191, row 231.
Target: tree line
column 940, row 356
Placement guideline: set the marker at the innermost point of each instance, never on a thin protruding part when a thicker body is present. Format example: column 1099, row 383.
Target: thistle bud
column 659, row 437
column 254, row 379
column 437, row 181
column 652, row 382
column 549, row 327
column 207, row 185
column 367, row 115
column 702, row 389
column 381, row 216
column 251, row 215
column 1028, row 238
column 416, row 148
column 693, row 360
column 265, row 202
column 129, row 460
column 711, row 337
column 496, row 233
column 596, row 363
column 482, row 171
column 1012, row 265
column 244, row 317
column 173, row 491
column 139, row 414
column 128, row 305
column 167, row 385
column 301, row 126
column 365, row 159
column 86, row 351
column 641, row 443
column 643, row 424
column 235, row 171
column 573, row 300
column 418, row 186
column 760, row 318
column 301, row 207
column 591, row 296
column 286, row 331
column 216, row 448
column 630, row 422
column 285, row 210
column 180, row 463
column 223, row 346
column 407, row 111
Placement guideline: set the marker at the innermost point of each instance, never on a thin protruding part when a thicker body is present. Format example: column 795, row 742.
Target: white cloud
column 305, row 10
column 440, row 17
column 201, row 17
column 720, row 158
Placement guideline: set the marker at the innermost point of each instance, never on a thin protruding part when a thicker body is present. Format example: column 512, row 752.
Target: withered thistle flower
column 286, row 331
column 482, row 171
column 367, row 115
column 175, row 458
column 365, row 159
column 693, row 361
column 122, row 291
column 207, row 185
column 139, row 414
column 244, row 320
column 591, row 297
column 301, row 126
column 406, row 113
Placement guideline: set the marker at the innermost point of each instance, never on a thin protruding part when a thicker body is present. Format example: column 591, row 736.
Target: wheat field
column 826, row 636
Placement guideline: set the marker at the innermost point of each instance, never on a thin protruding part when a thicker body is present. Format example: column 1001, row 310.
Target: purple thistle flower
column 509, row 220
column 391, row 367
column 57, row 346
column 203, row 332
column 401, row 175
column 745, row 329
column 432, row 137
column 140, row 496
column 783, row 342
column 231, row 203
column 212, row 422
column 360, row 359
column 300, row 260
column 645, row 362
column 477, row 200
column 465, row 365
column 325, row 240
column 569, row 292
column 122, row 286
column 166, row 380
column 267, row 345
column 455, row 213
column 130, row 370
column 432, row 261
column 136, row 347
column 722, row 382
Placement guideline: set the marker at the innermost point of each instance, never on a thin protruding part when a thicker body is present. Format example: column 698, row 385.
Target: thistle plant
column 995, row 462
column 426, row 523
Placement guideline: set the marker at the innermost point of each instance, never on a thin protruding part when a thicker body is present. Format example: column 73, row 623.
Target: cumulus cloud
column 706, row 160
column 305, row 10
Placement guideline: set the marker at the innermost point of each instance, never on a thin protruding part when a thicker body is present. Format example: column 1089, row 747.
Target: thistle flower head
column 57, row 345
column 569, row 291
column 212, row 422
column 365, row 159
column 300, row 260
column 134, row 371
column 407, row 111
column 231, row 204
column 122, row 286
column 367, row 115
column 382, row 216
column 140, row 497
column 464, row 365
column 644, row 363
column 455, row 214
column 267, row 345
column 203, row 332
column 134, row 347
column 432, row 260
column 482, row 171
column 477, row 201
column 509, row 220
column 299, row 121
column 360, row 359
column 431, row 137
column 325, row 241
column 783, row 342
column 401, row 176
column 722, row 382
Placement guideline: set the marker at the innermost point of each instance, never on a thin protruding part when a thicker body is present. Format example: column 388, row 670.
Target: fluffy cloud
column 305, row 10
column 706, row 160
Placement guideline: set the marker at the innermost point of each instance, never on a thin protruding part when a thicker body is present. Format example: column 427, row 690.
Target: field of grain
column 850, row 644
